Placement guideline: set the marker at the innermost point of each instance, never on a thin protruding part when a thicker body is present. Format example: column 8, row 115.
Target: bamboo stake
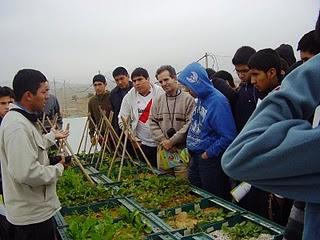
column 102, row 150
column 109, row 125
column 79, row 163
column 43, row 118
column 75, row 157
column 138, row 145
column 115, row 152
column 62, row 145
column 82, row 136
column 86, row 138
column 116, row 135
column 134, row 149
column 55, row 120
column 45, row 130
column 106, row 141
column 90, row 149
column 123, row 153
column 97, row 132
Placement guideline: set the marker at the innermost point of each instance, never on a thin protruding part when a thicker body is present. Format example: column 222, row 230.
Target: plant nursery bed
column 108, row 220
column 243, row 228
column 159, row 192
column 74, row 190
column 193, row 218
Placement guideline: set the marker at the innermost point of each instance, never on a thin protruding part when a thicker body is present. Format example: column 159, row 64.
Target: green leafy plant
column 157, row 192
column 102, row 225
column 243, row 230
column 129, row 171
column 195, row 220
column 73, row 189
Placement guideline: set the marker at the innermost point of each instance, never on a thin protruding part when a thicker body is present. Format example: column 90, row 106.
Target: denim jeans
column 312, row 222
column 208, row 175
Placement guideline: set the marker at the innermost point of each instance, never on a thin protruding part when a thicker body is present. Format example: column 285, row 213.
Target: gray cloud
column 71, row 40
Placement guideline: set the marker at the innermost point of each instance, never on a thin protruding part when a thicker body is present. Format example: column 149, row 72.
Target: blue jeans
column 312, row 222
column 208, row 175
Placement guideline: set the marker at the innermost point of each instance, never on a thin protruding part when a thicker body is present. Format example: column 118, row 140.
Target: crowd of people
column 258, row 133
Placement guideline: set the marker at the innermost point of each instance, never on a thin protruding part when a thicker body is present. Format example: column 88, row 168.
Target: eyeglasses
column 242, row 71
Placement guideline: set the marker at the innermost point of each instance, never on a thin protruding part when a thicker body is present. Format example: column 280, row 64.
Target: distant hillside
column 73, row 98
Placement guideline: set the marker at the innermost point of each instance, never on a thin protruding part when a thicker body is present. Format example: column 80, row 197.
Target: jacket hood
column 195, row 78
column 286, row 52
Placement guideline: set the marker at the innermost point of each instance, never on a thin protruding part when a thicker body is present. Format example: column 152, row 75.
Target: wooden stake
column 83, row 133
column 86, row 138
column 97, row 133
column 45, row 130
column 140, row 149
column 116, row 135
column 75, row 157
column 115, row 152
column 123, row 153
column 106, row 141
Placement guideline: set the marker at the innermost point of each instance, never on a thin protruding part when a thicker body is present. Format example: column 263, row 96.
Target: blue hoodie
column 278, row 150
column 212, row 127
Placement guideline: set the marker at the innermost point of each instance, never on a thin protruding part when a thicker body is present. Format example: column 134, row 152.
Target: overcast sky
column 72, row 40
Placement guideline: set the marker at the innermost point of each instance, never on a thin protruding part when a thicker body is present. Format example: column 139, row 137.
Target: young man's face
column 122, row 81
column 99, row 87
column 168, row 83
column 4, row 105
column 40, row 98
column 263, row 81
column 243, row 72
column 305, row 55
column 141, row 84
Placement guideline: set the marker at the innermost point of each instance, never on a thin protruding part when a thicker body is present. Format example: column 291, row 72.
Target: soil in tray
column 159, row 192
column 73, row 189
column 242, row 231
column 194, row 220
column 102, row 225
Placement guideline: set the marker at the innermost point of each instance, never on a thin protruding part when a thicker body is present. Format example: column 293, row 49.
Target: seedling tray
column 276, row 232
column 95, row 207
column 159, row 192
column 147, row 218
column 73, row 189
column 183, row 213
column 197, row 236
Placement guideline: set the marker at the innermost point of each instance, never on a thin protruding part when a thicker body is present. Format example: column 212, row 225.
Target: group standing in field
column 261, row 133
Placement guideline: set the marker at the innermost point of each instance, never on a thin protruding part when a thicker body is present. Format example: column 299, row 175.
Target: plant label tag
column 197, row 207
column 210, row 229
column 178, row 210
column 240, row 191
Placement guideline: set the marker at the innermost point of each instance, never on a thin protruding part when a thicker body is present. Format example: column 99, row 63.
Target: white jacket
column 29, row 182
column 129, row 108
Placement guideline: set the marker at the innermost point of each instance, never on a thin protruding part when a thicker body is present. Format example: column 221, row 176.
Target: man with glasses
column 100, row 100
column 247, row 97
column 244, row 105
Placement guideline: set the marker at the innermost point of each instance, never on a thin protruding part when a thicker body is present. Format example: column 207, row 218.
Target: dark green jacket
column 95, row 102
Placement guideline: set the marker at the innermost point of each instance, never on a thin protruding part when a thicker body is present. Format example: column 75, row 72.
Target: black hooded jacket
column 245, row 104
